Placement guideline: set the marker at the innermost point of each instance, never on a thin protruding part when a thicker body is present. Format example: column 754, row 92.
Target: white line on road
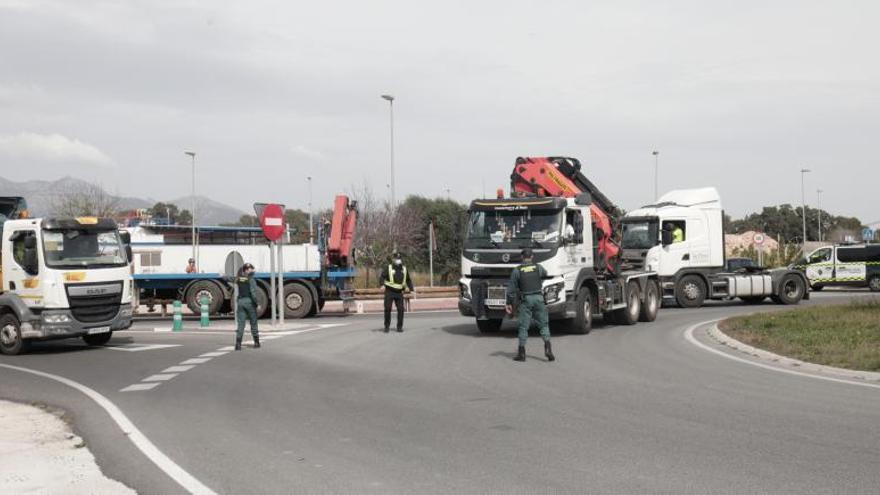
column 137, row 387
column 162, row 461
column 160, row 378
column 140, row 347
column 213, row 354
column 195, row 361
column 178, row 369
column 689, row 335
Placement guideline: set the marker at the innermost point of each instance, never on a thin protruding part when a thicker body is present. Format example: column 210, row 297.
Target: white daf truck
column 691, row 266
column 60, row 278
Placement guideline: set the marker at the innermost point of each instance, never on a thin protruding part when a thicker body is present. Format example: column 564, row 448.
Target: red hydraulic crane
column 340, row 242
column 562, row 177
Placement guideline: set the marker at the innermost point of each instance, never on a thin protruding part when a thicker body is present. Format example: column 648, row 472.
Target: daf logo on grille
column 505, row 257
column 96, row 292
column 476, row 256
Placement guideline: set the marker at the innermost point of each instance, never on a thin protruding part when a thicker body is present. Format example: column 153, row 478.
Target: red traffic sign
column 272, row 221
column 759, row 239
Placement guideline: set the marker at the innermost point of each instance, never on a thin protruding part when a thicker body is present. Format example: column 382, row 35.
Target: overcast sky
column 737, row 95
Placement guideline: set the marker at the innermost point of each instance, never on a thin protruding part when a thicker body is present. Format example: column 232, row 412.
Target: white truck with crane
column 692, row 268
column 568, row 223
column 60, row 278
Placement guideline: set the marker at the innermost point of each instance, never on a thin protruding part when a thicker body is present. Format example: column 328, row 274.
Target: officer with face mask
column 396, row 280
column 525, row 285
column 247, row 304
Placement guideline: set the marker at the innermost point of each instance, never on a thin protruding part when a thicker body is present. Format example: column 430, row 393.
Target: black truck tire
column 791, row 289
column 262, row 301
column 690, row 291
column 583, row 320
column 98, row 338
column 817, row 287
column 11, row 341
column 651, row 303
column 630, row 314
column 874, row 283
column 489, row 326
column 298, row 301
column 208, row 288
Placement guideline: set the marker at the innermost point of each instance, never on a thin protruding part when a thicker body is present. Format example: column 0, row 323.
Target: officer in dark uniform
column 526, row 285
column 247, row 304
column 396, row 280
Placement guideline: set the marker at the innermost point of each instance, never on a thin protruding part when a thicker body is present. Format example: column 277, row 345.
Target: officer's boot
column 548, row 351
column 256, row 341
column 237, row 344
column 520, row 353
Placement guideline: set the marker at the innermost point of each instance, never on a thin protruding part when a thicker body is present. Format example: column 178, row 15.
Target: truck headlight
column 551, row 292
column 465, row 292
column 55, row 318
column 126, row 311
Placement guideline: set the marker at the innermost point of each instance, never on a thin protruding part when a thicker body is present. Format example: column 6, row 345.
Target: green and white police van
column 853, row 266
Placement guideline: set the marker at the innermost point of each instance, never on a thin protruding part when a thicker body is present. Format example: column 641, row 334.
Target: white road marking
column 227, row 348
column 162, row 461
column 140, row 347
column 195, row 361
column 137, row 387
column 689, row 335
column 160, row 378
column 178, row 369
column 213, row 354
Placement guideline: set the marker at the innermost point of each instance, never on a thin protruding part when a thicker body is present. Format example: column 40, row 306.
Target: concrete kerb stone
column 789, row 363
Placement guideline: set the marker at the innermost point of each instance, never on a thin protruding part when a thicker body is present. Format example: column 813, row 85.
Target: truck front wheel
column 791, row 290
column 98, row 338
column 11, row 342
column 298, row 301
column 690, row 291
column 489, row 326
column 874, row 283
column 651, row 303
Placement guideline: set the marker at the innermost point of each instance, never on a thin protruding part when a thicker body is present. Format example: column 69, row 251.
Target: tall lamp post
column 804, row 171
column 656, row 174
column 819, row 211
column 311, row 233
column 390, row 100
column 192, row 155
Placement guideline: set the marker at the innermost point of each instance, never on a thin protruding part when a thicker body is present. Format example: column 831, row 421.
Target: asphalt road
column 441, row 408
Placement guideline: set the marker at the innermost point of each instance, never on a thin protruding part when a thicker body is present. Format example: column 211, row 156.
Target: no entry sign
column 272, row 221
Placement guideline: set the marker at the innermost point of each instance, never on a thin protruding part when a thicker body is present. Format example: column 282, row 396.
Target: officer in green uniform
column 247, row 304
column 525, row 285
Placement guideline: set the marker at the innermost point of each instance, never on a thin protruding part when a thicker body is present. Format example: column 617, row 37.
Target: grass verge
column 844, row 336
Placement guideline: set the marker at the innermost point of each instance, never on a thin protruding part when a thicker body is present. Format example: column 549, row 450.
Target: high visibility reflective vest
column 677, row 235
column 390, row 282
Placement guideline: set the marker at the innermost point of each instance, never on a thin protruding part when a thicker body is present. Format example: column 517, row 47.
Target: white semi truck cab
column 559, row 233
column 681, row 237
column 62, row 278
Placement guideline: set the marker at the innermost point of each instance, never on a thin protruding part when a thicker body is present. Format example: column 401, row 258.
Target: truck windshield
column 74, row 248
column 642, row 234
column 523, row 227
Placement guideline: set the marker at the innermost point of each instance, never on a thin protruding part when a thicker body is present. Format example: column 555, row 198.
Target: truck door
column 577, row 244
column 675, row 255
column 820, row 268
column 21, row 270
column 850, row 265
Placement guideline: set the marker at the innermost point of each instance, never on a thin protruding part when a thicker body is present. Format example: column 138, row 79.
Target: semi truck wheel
column 298, row 301
column 262, row 301
column 690, row 291
column 583, row 320
column 651, row 302
column 208, row 289
column 98, row 338
column 791, row 289
column 630, row 314
column 489, row 326
column 11, row 342
column 874, row 283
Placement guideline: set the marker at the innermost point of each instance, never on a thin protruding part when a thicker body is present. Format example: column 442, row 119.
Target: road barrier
column 177, row 325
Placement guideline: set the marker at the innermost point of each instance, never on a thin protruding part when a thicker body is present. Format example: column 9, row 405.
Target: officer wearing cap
column 396, row 280
column 247, row 304
column 526, row 285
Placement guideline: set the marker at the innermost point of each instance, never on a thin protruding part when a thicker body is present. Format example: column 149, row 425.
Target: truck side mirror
column 126, row 242
column 666, row 237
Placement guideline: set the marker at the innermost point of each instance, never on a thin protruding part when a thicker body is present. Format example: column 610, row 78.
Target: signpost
column 867, row 234
column 271, row 217
column 234, row 262
column 759, row 242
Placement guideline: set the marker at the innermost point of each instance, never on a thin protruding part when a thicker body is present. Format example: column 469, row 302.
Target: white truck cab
column 681, row 237
column 62, row 278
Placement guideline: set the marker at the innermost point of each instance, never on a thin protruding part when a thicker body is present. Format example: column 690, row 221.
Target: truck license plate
column 497, row 296
column 95, row 330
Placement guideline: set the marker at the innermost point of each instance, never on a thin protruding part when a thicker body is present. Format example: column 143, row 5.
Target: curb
column 784, row 362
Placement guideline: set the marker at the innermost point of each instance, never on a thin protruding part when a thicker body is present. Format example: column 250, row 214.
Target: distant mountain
column 40, row 194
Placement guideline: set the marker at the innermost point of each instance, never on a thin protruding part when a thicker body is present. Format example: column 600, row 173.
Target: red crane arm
column 342, row 229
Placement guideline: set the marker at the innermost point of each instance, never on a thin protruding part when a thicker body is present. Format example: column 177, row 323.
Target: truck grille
column 94, row 303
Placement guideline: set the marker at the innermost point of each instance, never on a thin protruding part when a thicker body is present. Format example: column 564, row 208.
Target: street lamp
column 819, row 211
column 656, row 174
column 804, row 171
column 192, row 155
column 311, row 234
column 390, row 100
